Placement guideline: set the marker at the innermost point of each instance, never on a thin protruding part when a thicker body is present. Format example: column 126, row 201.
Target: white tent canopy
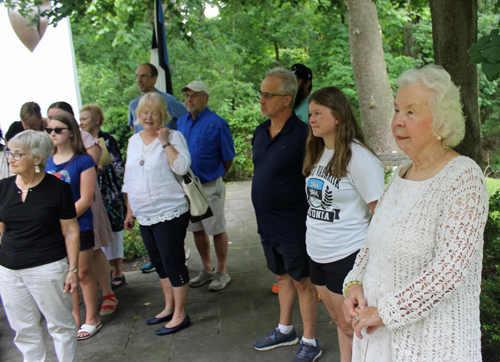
column 45, row 76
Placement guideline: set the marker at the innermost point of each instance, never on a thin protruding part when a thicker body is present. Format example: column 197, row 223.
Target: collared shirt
column 209, row 141
column 174, row 107
column 302, row 110
column 278, row 194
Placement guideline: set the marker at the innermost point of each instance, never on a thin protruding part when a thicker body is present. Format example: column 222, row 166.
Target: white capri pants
column 27, row 292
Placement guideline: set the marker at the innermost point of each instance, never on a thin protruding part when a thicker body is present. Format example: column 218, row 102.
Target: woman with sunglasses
column 72, row 164
column 39, row 253
column 103, row 234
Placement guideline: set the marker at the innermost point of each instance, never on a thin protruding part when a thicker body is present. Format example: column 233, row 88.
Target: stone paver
column 224, row 324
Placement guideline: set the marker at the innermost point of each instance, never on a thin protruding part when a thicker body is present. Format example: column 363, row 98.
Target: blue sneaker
column 307, row 353
column 276, row 339
column 148, row 268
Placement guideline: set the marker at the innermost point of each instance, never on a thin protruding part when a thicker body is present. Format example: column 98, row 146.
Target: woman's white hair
column 444, row 101
column 38, row 143
column 158, row 103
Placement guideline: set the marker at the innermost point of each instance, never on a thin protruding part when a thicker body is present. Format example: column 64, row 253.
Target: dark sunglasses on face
column 57, row 130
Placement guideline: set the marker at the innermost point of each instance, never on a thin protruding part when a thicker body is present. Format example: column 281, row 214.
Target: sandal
column 109, row 308
column 118, row 279
column 90, row 329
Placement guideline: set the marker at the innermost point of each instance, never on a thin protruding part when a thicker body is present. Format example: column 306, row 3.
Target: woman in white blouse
column 156, row 157
column 413, row 294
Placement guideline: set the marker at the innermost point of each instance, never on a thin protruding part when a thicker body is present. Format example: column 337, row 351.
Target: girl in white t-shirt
column 344, row 180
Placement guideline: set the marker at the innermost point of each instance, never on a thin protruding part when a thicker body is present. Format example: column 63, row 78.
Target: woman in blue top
column 72, row 164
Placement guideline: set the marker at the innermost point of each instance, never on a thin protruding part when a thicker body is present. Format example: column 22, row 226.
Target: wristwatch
column 166, row 144
column 73, row 270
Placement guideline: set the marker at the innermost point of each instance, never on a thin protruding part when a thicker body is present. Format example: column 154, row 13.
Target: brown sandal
column 108, row 309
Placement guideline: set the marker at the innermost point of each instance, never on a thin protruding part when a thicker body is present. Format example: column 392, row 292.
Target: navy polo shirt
column 278, row 194
column 209, row 141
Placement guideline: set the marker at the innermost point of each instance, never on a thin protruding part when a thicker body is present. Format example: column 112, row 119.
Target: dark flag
column 159, row 53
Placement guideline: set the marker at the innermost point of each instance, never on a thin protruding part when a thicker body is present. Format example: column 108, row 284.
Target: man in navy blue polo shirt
column 212, row 152
column 280, row 204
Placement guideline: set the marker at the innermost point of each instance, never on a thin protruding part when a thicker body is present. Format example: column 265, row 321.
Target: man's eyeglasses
column 15, row 155
column 193, row 95
column 268, row 96
column 57, row 130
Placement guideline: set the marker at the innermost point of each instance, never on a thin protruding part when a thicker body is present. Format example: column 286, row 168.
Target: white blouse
column 152, row 185
column 421, row 267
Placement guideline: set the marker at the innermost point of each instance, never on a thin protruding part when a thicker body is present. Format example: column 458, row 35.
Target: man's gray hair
column 38, row 143
column 288, row 84
column 444, row 101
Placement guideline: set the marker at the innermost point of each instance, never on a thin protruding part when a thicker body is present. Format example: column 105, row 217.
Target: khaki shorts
column 216, row 195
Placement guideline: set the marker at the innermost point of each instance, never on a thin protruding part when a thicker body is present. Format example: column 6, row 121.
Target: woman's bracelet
column 167, row 144
column 350, row 284
column 73, row 270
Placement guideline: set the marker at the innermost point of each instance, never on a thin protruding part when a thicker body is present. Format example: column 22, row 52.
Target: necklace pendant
column 142, row 163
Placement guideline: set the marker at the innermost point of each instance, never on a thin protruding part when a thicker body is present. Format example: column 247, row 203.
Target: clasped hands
column 358, row 314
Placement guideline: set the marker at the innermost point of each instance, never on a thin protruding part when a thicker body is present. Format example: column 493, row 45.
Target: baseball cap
column 302, row 72
column 196, row 86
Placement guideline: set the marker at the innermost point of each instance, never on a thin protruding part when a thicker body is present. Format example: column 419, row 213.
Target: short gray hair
column 446, row 108
column 38, row 143
column 288, row 84
column 158, row 103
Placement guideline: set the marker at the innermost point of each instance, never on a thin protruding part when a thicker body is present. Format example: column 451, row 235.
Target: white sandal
column 90, row 329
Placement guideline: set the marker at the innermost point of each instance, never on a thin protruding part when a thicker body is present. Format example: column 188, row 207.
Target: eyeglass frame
column 269, row 96
column 15, row 155
column 153, row 114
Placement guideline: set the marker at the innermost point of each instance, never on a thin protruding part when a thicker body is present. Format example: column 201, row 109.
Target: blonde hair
column 158, row 103
column 95, row 111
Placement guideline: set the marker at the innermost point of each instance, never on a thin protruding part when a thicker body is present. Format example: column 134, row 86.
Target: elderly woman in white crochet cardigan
column 413, row 294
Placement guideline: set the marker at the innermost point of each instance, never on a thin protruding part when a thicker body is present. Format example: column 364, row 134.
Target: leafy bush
column 133, row 247
column 490, row 295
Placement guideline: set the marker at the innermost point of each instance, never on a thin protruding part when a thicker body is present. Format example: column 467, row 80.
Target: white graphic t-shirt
column 338, row 216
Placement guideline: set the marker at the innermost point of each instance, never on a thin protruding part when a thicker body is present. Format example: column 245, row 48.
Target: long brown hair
column 348, row 130
column 70, row 121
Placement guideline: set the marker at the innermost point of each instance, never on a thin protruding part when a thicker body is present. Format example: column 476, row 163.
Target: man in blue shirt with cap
column 212, row 152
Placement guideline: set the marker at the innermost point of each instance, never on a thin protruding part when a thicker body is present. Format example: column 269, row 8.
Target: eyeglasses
column 268, row 96
column 15, row 155
column 152, row 114
column 193, row 95
column 57, row 130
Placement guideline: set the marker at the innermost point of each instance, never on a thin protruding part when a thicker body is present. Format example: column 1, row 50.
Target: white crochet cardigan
column 436, row 253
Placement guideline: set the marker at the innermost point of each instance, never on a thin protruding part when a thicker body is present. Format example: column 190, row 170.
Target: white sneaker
column 202, row 278
column 219, row 282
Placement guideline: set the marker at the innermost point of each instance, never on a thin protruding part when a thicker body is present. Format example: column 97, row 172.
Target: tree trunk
column 411, row 47
column 376, row 101
column 277, row 52
column 454, row 30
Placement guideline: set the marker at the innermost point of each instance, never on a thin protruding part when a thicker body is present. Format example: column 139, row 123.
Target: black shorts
column 284, row 258
column 86, row 239
column 332, row 274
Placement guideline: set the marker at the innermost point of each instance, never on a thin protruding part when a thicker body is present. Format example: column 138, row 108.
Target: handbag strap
column 69, row 163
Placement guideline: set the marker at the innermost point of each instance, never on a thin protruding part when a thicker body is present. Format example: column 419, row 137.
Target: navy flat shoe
column 164, row 330
column 155, row 320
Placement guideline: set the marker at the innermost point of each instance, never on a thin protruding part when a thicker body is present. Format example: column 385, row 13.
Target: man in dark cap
column 304, row 81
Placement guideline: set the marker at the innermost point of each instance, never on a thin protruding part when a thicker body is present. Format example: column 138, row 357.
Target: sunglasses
column 57, row 130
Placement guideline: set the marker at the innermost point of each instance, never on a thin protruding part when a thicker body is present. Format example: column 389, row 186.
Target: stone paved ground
column 224, row 323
